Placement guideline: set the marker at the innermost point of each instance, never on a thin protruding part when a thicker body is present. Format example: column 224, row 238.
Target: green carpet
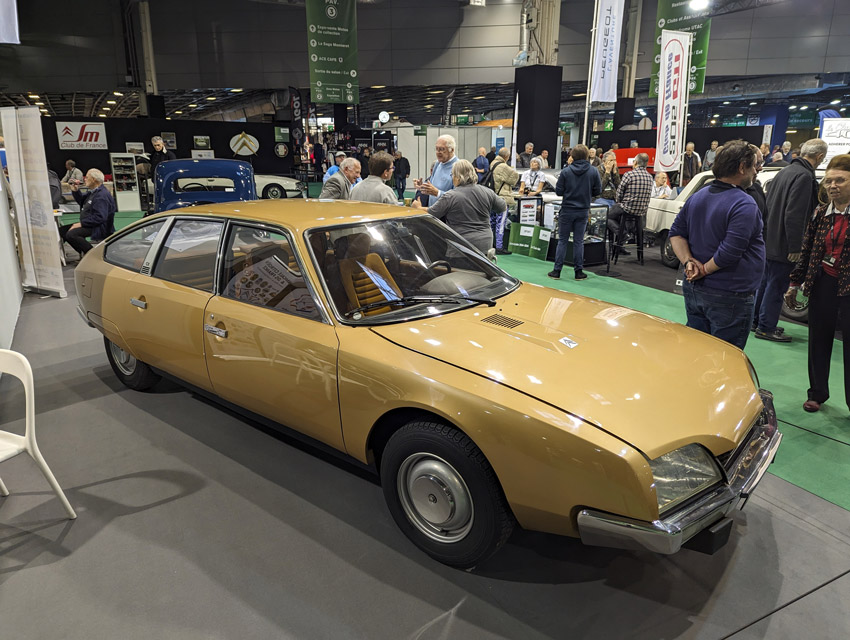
column 815, row 453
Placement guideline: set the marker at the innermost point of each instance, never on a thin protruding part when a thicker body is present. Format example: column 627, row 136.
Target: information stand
column 125, row 182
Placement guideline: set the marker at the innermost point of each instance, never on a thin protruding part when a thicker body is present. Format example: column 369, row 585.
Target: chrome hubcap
column 124, row 361
column 435, row 498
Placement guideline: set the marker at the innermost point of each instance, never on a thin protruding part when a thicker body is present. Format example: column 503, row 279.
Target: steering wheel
column 420, row 279
column 195, row 186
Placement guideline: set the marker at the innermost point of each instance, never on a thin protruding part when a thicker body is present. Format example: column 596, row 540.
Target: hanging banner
column 81, row 135
column 27, row 165
column 677, row 15
column 672, row 100
column 836, row 133
column 9, row 33
column 296, row 124
column 606, row 55
column 332, row 50
column 447, row 108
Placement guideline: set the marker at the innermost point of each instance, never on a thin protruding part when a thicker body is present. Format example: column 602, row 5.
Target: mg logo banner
column 81, row 135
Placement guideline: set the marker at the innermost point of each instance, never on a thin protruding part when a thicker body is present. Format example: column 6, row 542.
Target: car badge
column 572, row 344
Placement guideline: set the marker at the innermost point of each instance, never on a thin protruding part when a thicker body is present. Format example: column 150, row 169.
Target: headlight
column 301, row 186
column 683, row 473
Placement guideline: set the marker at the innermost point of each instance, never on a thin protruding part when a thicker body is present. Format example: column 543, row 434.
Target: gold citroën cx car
column 483, row 402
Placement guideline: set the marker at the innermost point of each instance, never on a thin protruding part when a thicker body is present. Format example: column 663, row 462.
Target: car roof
column 299, row 214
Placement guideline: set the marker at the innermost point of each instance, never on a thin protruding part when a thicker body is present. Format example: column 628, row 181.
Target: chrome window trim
column 153, row 256
column 271, row 228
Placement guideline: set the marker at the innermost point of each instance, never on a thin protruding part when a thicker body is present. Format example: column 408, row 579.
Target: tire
column 668, row 256
column 274, row 192
column 132, row 373
column 800, row 312
column 444, row 495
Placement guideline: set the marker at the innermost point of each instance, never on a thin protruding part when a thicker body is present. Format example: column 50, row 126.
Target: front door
column 267, row 347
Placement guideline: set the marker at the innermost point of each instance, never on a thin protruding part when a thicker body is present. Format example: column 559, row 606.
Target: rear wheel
column 668, row 256
column 274, row 192
column 444, row 495
column 131, row 372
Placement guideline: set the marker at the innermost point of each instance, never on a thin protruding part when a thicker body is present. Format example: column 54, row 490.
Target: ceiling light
column 33, row 96
column 738, row 115
column 804, row 107
column 39, row 104
column 791, row 131
column 752, row 103
column 210, row 97
column 391, row 112
column 117, row 93
column 793, row 106
column 106, row 108
column 725, row 102
column 378, row 86
column 611, row 113
column 436, row 91
column 101, row 115
column 835, row 102
column 168, row 117
column 689, row 115
column 716, row 115
column 111, row 102
column 479, row 97
column 178, row 112
column 387, row 100
column 236, row 91
column 579, row 95
column 43, row 110
column 193, row 105
column 699, row 5
column 713, row 121
column 842, row 108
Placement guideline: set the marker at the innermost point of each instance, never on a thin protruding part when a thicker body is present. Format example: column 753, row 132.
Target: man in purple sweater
column 718, row 237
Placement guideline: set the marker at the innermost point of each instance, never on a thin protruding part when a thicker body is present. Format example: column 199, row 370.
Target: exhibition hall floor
column 196, row 523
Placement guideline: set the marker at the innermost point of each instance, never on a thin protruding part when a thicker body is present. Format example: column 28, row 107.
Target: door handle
column 138, row 303
column 221, row 333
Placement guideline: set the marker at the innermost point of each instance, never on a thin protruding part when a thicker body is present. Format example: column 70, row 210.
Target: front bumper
column 744, row 469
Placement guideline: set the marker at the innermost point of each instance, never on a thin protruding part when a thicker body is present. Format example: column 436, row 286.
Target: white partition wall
column 10, row 275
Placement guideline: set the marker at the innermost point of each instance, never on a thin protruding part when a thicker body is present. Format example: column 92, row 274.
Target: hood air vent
column 502, row 321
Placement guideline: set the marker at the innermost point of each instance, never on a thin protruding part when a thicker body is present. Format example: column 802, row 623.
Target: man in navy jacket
column 97, row 214
column 578, row 184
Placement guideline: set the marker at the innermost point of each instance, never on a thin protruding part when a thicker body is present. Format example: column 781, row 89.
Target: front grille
column 502, row 321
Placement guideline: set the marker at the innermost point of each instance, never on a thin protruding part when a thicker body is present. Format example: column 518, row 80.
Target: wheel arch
column 392, row 421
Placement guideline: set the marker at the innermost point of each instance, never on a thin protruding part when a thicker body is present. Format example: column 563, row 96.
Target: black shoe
column 580, row 275
column 623, row 251
column 773, row 336
column 502, row 252
column 555, row 275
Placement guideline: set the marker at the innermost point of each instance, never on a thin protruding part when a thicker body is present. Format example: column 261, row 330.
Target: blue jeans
column 774, row 284
column 574, row 222
column 497, row 225
column 400, row 183
column 727, row 315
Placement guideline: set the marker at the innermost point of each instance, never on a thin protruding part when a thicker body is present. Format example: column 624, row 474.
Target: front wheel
column 668, row 256
column 131, row 372
column 274, row 192
column 444, row 495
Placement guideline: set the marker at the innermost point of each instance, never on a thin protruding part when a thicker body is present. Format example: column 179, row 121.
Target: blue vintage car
column 180, row 183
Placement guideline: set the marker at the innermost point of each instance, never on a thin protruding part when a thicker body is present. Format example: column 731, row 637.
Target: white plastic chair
column 11, row 444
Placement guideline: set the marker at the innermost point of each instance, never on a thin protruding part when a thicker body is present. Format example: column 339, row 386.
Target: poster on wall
column 606, row 55
column 202, row 142
column 170, row 140
column 332, row 51
column 836, row 133
column 81, row 135
column 672, row 100
column 676, row 15
column 27, row 165
column 137, row 148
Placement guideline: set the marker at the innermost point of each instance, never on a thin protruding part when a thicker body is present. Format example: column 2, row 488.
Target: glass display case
column 125, row 182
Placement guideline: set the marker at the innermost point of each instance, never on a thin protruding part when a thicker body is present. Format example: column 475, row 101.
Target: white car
column 662, row 212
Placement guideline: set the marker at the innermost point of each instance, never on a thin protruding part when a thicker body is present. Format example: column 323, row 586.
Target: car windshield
column 403, row 268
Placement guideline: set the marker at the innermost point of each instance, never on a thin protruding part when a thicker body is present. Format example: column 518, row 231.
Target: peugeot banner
column 672, row 99
column 606, row 55
column 332, row 50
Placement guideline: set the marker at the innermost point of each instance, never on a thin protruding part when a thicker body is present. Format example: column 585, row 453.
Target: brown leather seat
column 365, row 276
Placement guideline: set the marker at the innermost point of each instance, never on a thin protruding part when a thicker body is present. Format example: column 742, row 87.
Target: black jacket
column 792, row 197
column 97, row 212
column 577, row 185
column 757, row 194
column 161, row 156
column 402, row 167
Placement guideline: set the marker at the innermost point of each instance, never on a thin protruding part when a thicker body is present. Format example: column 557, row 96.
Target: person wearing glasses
column 440, row 179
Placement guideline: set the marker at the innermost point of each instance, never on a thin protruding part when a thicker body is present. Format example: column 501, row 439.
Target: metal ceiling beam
column 726, row 7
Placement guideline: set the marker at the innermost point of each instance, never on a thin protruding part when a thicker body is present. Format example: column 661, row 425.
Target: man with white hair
column 786, row 152
column 524, row 158
column 160, row 153
column 97, row 214
column 777, row 161
column 440, row 180
column 338, row 186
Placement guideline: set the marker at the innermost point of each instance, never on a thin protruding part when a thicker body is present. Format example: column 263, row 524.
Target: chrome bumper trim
column 668, row 534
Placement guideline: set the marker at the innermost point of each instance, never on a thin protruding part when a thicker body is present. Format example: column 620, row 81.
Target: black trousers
column 76, row 237
column 826, row 311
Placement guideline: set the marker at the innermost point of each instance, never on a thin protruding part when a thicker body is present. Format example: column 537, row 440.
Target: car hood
column 655, row 384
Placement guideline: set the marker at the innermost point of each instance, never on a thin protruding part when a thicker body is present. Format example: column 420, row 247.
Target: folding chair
column 12, row 444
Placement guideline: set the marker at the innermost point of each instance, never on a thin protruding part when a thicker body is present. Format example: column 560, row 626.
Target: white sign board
column 528, row 211
column 203, row 154
column 606, row 55
column 672, row 99
column 81, row 135
column 836, row 133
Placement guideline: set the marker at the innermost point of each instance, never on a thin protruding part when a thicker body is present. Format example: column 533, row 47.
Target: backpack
column 489, row 180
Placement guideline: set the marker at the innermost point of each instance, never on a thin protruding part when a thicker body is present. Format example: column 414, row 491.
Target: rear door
column 269, row 348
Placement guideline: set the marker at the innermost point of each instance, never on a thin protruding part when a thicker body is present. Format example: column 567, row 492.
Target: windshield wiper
column 411, row 300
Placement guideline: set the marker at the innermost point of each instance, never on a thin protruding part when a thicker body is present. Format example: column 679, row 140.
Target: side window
column 129, row 251
column 188, row 254
column 260, row 269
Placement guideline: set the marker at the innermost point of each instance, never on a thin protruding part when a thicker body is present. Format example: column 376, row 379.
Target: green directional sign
column 332, row 51
column 677, row 15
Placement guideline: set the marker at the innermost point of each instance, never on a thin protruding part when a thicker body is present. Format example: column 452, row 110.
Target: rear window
column 183, row 185
column 129, row 250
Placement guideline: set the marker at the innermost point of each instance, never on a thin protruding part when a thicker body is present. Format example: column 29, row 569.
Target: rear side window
column 188, row 254
column 129, row 250
column 261, row 269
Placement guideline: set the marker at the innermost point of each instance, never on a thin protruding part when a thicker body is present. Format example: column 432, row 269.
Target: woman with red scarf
column 824, row 273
